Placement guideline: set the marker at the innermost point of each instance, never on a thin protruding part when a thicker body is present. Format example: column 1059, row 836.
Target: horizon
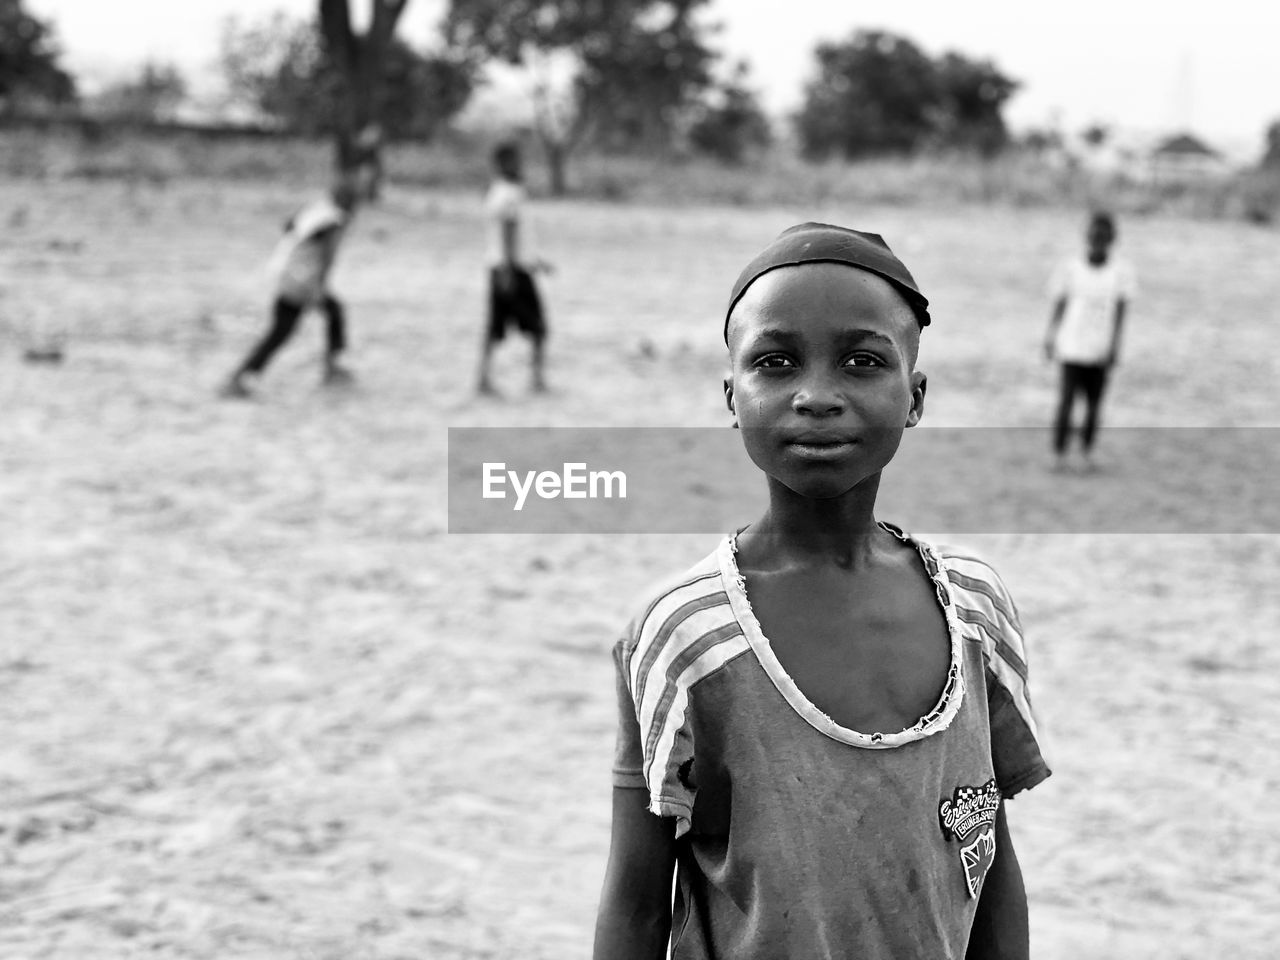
column 1135, row 75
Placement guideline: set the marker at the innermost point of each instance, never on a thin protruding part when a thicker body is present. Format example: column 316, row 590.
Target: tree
column 644, row 84
column 421, row 92
column 280, row 68
column 277, row 67
column 1271, row 153
column 636, row 66
column 732, row 124
column 875, row 93
column 974, row 93
column 358, row 62
column 153, row 95
column 1096, row 134
column 29, row 70
column 878, row 93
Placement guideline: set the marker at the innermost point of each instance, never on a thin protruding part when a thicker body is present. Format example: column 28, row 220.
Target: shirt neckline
column 935, row 721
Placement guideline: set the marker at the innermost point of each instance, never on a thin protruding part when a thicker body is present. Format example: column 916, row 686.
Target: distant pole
column 1184, row 105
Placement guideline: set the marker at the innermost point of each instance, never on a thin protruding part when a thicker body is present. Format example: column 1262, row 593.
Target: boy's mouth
column 821, row 446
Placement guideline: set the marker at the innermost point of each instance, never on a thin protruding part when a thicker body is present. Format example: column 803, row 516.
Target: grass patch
column 779, row 177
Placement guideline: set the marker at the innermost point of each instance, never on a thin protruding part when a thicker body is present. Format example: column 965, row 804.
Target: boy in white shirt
column 513, row 295
column 1090, row 298
column 300, row 266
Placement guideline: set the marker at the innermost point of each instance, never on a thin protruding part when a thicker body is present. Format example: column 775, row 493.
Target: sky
column 1212, row 67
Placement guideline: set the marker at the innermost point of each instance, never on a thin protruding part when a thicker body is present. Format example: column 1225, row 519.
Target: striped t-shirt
column 799, row 837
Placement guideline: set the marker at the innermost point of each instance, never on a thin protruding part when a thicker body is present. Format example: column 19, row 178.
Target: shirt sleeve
column 983, row 604
column 316, row 218
column 1015, row 749
column 1015, row 740
column 628, row 755
column 673, row 794
column 1060, row 282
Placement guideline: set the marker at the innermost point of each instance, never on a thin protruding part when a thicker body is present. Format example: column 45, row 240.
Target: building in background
column 1183, row 157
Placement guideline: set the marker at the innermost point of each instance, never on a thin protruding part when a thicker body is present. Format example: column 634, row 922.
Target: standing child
column 301, row 266
column 513, row 295
column 1090, row 297
column 821, row 721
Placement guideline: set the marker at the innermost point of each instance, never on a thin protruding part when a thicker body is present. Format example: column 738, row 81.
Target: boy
column 301, row 266
column 1090, row 297
column 513, row 296
column 826, row 714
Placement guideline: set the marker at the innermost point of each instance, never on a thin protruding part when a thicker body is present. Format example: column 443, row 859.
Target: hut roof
column 1183, row 145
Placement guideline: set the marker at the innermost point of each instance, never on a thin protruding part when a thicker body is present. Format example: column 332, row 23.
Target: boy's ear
column 919, row 384
column 728, row 398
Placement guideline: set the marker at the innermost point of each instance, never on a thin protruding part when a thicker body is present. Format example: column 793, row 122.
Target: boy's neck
column 842, row 530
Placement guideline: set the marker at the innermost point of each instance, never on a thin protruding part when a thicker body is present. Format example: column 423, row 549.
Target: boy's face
column 824, row 379
column 509, row 165
column 1099, row 238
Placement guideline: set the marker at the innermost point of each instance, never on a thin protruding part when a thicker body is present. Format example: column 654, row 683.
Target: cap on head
column 826, row 243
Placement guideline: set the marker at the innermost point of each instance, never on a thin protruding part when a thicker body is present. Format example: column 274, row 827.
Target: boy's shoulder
column 984, row 606
column 320, row 215
column 970, row 564
column 974, row 581
column 665, row 606
column 987, row 614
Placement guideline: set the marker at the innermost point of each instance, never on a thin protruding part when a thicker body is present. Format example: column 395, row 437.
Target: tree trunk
column 557, row 158
column 359, row 62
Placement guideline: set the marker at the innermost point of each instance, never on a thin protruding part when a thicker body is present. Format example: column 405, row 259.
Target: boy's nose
column 818, row 398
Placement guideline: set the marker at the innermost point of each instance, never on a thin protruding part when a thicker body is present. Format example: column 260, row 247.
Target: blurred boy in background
column 300, row 266
column 1090, row 297
column 513, row 295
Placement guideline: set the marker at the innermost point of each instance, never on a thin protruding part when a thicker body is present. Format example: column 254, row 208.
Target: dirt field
column 256, row 701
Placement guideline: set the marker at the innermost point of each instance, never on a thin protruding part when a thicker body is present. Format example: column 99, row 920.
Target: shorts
column 520, row 308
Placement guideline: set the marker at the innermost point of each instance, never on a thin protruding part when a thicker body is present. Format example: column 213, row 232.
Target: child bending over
column 301, row 266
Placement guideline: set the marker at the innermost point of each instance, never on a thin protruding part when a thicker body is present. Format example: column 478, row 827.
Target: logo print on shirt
column 977, row 858
column 968, row 811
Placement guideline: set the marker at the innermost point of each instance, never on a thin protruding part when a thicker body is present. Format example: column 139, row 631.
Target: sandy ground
column 256, row 701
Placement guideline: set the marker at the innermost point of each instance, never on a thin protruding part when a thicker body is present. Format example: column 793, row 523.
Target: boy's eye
column 862, row 359
column 774, row 361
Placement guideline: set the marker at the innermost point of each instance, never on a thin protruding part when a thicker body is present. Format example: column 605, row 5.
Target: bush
column 734, row 127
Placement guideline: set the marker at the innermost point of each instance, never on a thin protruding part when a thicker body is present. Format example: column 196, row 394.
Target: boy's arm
column 634, row 922
column 1122, row 305
column 1000, row 930
column 1055, row 318
column 510, row 238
